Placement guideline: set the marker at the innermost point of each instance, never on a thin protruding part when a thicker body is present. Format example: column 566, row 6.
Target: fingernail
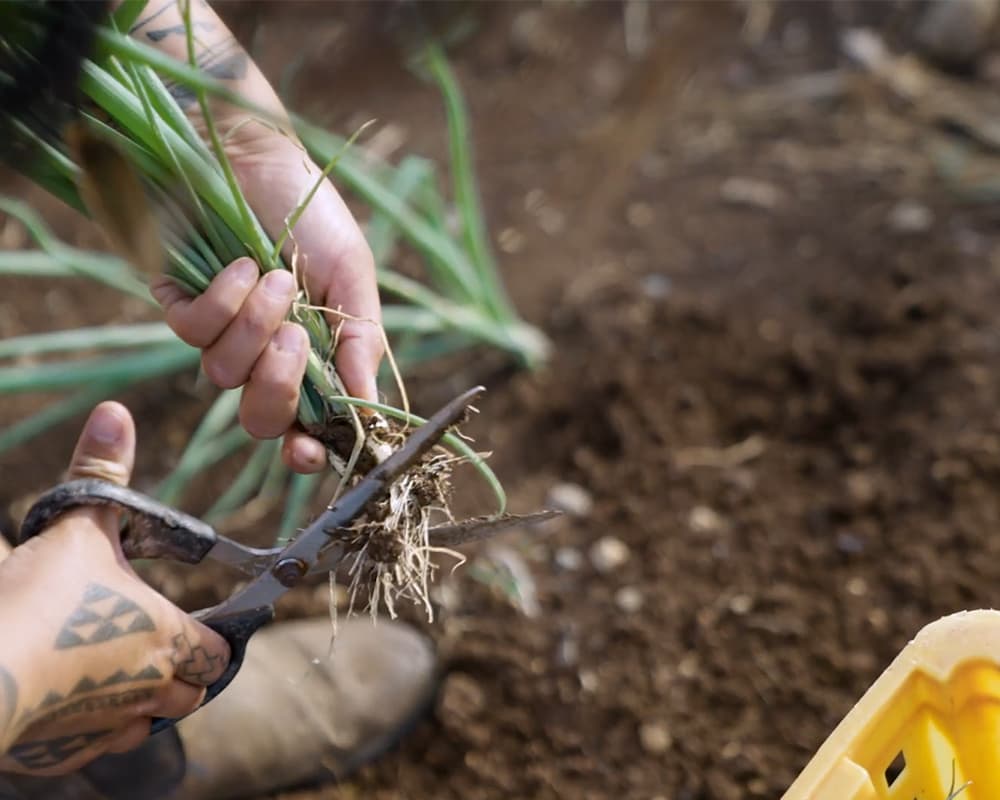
column 245, row 271
column 288, row 339
column 279, row 283
column 105, row 427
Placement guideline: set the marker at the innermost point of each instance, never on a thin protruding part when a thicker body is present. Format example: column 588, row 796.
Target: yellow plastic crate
column 933, row 714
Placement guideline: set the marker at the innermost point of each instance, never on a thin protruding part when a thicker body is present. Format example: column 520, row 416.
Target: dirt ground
column 775, row 338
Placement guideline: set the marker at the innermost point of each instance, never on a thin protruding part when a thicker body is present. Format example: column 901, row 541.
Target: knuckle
column 220, row 371
column 257, row 322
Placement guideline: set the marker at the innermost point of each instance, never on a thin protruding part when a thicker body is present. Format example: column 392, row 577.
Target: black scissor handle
column 236, row 629
column 154, row 530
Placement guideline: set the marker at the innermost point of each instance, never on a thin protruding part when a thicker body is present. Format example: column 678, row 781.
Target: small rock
column 655, row 737
column 909, row 217
column 570, row 498
column 703, row 519
column 568, row 651
column 655, row 286
column 878, row 618
column 861, row 487
column 511, row 241
column 629, row 599
column 740, row 604
column 750, row 193
column 609, row 553
column 857, row 587
column 569, row 559
column 588, row 680
column 688, row 666
column 850, row 543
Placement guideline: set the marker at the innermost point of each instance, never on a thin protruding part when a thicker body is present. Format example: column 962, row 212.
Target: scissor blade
column 251, row 561
column 306, row 547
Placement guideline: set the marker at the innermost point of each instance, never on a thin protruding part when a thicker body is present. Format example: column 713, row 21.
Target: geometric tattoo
column 88, row 705
column 87, row 685
column 102, row 615
column 49, row 753
column 193, row 664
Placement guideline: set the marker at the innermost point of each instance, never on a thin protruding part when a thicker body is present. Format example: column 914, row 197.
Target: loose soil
column 783, row 406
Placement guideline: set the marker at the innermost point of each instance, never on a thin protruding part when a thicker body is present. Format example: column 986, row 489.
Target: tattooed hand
column 239, row 321
column 90, row 652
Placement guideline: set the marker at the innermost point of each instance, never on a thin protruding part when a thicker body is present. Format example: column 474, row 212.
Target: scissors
column 154, row 530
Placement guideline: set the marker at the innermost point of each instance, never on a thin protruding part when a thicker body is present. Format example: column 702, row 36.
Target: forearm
column 18, row 680
column 220, row 56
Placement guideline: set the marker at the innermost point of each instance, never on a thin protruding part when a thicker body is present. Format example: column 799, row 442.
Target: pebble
column 588, row 680
column 570, row 498
column 858, row 587
column 608, row 553
column 629, row 599
column 740, row 604
column 850, row 543
column 909, row 217
column 703, row 519
column 750, row 193
column 688, row 666
column 569, row 559
column 655, row 737
column 655, row 286
column 511, row 241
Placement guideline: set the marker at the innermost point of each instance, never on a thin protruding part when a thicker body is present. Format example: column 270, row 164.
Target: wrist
column 19, row 675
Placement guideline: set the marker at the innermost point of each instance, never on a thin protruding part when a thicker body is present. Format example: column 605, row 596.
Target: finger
column 302, row 453
column 231, row 359
column 105, row 450
column 271, row 396
column 179, row 699
column 129, row 738
column 359, row 352
column 199, row 655
column 333, row 257
column 201, row 320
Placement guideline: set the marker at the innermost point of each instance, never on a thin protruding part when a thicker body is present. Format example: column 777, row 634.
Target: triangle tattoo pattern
column 85, row 685
column 51, row 752
column 102, row 615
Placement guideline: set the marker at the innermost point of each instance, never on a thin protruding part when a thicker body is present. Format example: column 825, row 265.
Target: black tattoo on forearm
column 225, row 61
column 52, row 752
column 102, row 615
column 162, row 33
column 143, row 21
column 193, row 664
column 54, row 702
column 88, row 705
column 8, row 700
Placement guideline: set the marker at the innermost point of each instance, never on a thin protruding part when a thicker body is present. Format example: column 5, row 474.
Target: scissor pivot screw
column 289, row 571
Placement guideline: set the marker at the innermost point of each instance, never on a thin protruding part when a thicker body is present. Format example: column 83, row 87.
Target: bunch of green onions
column 209, row 224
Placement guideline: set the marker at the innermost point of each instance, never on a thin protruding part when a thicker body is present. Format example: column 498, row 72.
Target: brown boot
column 298, row 714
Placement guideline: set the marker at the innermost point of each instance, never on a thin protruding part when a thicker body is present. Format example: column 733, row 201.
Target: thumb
column 105, row 450
column 106, row 447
